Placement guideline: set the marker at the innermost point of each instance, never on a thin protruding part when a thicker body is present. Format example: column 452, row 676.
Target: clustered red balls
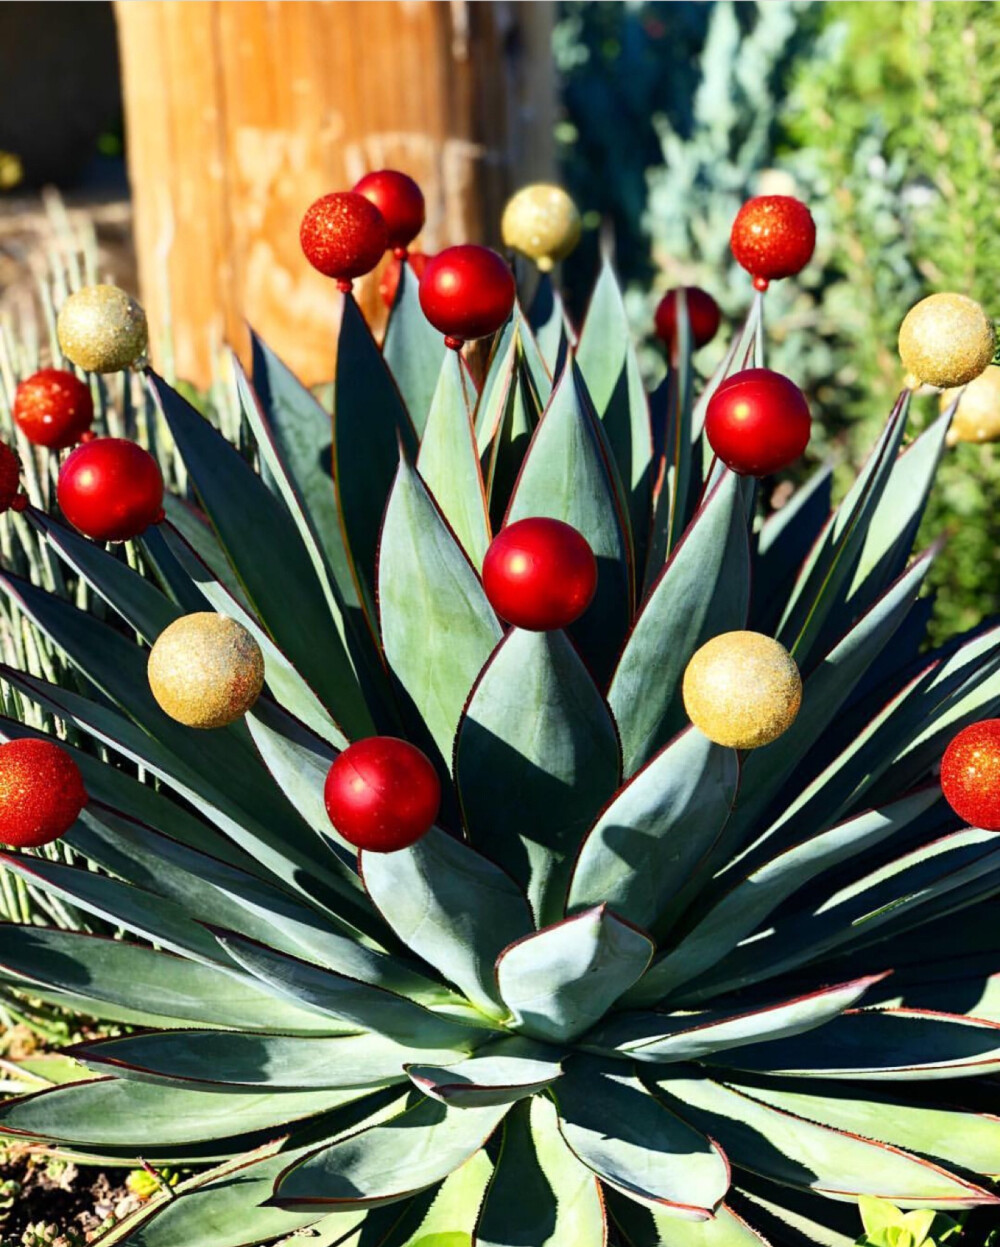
column 41, row 793
column 343, row 235
column 970, row 774
column 703, row 316
column 773, row 236
column 400, row 201
column 540, row 574
column 10, row 477
column 382, row 794
column 389, row 281
column 758, row 422
column 111, row 489
column 467, row 292
column 53, row 408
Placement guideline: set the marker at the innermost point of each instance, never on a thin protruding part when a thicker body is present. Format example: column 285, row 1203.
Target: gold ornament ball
column 205, row 670
column 542, row 222
column 977, row 416
column 742, row 689
column 946, row 340
column 102, row 329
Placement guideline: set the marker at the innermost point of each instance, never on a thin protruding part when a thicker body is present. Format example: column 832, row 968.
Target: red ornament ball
column 41, row 792
column 343, row 235
column 10, row 477
column 399, row 199
column 389, row 281
column 467, row 292
column 110, row 489
column 773, row 236
column 382, row 794
column 703, row 315
column 758, row 422
column 53, row 408
column 540, row 574
column 970, row 774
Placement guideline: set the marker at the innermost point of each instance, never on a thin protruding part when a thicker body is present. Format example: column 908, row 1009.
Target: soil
column 72, row 1202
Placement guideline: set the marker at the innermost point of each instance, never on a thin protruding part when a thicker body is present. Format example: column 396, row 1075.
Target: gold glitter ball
column 205, row 670
column 102, row 329
column 946, row 340
column 542, row 222
column 742, row 689
column 977, row 416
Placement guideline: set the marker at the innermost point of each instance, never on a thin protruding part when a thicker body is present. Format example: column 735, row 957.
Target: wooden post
column 239, row 115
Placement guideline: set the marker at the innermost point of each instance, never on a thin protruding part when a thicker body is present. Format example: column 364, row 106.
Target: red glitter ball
column 41, row 792
column 970, row 774
column 53, row 408
column 343, row 235
column 773, row 236
column 467, row 292
column 10, row 476
column 758, row 422
column 399, row 199
column 540, row 574
column 389, row 281
column 382, row 794
column 111, row 489
column 703, row 314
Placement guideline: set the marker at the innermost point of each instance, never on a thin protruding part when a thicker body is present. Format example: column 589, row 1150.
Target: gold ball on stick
column 946, row 340
column 102, row 329
column 542, row 222
column 977, row 416
column 205, row 670
column 742, row 689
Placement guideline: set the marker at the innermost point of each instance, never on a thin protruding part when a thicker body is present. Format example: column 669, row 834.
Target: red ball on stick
column 53, row 408
column 41, row 792
column 970, row 774
column 540, row 574
column 343, row 235
column 773, row 236
column 382, row 794
column 758, row 422
column 703, row 315
column 111, row 489
column 467, row 292
column 401, row 202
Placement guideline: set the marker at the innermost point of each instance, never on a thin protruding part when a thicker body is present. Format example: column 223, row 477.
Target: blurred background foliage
column 885, row 117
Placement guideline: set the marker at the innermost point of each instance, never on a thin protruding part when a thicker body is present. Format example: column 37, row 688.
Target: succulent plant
column 633, row 983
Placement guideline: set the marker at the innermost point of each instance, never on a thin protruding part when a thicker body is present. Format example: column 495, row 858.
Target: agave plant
column 634, row 986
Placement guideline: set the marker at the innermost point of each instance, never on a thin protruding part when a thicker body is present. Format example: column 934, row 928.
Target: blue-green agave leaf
column 636, row 1144
column 413, row 350
column 437, row 626
column 536, row 757
column 658, row 827
column 509, row 1070
column 645, row 1227
column 451, row 906
column 559, row 981
column 704, row 590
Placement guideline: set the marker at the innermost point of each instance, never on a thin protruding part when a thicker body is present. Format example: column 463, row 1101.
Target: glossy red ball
column 467, row 292
column 389, row 281
column 970, row 774
column 382, row 794
column 773, row 236
column 758, row 422
column 110, row 489
column 10, row 477
column 343, row 235
column 540, row 574
column 399, row 199
column 53, row 408
column 41, row 792
column 703, row 315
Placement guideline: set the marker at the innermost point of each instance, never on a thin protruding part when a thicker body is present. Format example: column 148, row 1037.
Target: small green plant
column 886, row 1225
